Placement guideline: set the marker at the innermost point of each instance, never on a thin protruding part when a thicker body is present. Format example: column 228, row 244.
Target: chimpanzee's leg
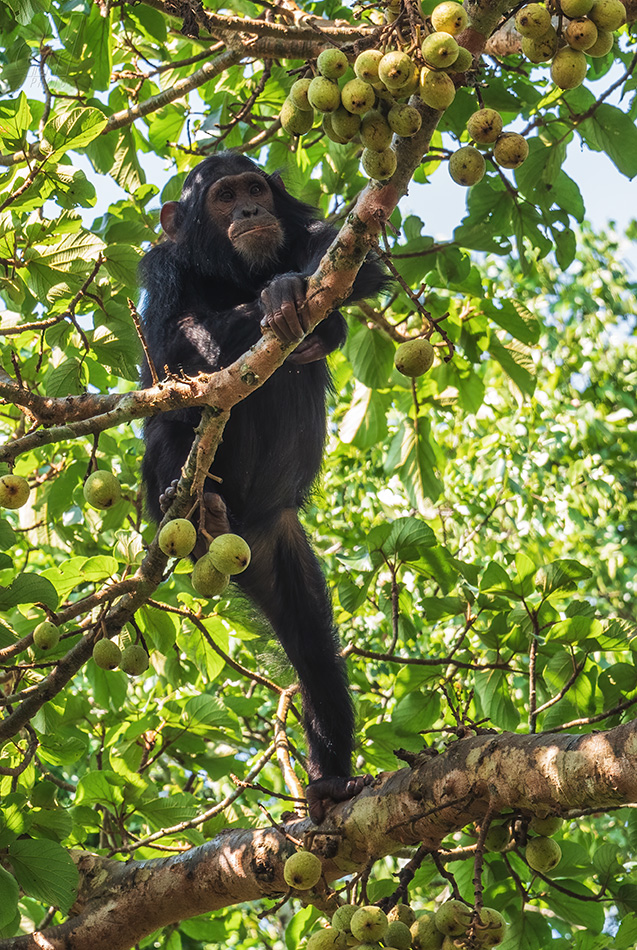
column 285, row 580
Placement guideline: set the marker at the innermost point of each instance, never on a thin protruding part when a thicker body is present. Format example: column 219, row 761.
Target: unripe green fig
column 366, row 65
column 369, row 924
column 404, row 120
column 546, row 826
column 449, row 17
column 576, row 8
column 484, row 126
column 543, row 854
column 106, row 654
column 463, row 61
column 511, row 149
column 395, row 69
column 342, row 917
column 134, row 660
column 329, row 130
column 358, row 96
column 402, row 912
column 345, row 124
column 424, row 933
column 46, row 635
column 568, row 68
column 298, row 94
column 581, row 34
column 467, row 166
column 608, row 14
column 603, row 45
column 490, row 928
column 379, row 165
column 229, row 553
column 436, row 89
column 541, row 50
column 332, row 63
column 177, row 538
column 102, row 490
column 533, row 20
column 453, row 917
column 440, row 50
column 323, row 94
column 296, row 121
column 414, row 357
column 497, row 838
column 206, row 579
column 411, row 86
column 14, row 491
column 327, row 938
column 302, row 870
column 397, row 936
column 375, row 131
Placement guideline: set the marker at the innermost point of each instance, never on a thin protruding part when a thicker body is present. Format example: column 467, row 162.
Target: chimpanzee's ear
column 171, row 217
column 276, row 180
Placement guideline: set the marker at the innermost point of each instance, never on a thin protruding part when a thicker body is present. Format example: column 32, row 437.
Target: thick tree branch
column 119, row 903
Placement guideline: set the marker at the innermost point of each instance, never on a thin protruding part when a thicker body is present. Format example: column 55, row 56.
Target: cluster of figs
column 373, row 106
column 368, row 927
column 454, row 925
column 227, row 554
column 584, row 28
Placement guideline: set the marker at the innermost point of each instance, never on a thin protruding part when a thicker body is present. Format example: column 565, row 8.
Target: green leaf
column 73, row 129
column 610, row 130
column 371, row 355
column 365, row 422
column 494, row 694
column 69, row 378
column 28, row 589
column 411, row 455
column 299, row 926
column 574, row 629
column 626, row 936
column 7, row 535
column 585, row 913
column 45, row 871
column 513, row 317
column 405, row 537
column 99, row 788
column 563, row 574
column 9, row 895
column 126, row 169
column 516, row 361
column 15, row 119
column 207, row 711
column 495, row 580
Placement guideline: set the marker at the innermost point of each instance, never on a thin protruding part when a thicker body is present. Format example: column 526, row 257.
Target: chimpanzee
column 238, row 251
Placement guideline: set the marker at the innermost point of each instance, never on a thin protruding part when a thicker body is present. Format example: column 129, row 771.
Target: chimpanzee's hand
column 284, row 308
column 168, row 496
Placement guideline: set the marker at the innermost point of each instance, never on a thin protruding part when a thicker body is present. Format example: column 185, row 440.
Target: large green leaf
column 73, row 129
column 45, row 871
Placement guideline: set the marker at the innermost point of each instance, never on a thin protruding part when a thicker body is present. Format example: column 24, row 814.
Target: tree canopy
column 477, row 523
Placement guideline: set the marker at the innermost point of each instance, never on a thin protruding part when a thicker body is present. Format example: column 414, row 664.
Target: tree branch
column 420, row 805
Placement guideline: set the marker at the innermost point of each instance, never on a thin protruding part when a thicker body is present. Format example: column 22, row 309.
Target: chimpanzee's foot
column 167, row 497
column 216, row 514
column 216, row 518
column 335, row 789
